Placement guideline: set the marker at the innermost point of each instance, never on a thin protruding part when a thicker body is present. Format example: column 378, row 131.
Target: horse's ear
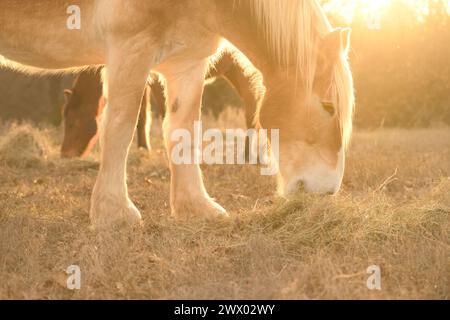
column 335, row 43
column 346, row 34
column 68, row 94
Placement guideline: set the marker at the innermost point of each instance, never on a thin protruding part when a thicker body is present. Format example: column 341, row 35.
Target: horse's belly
column 41, row 59
column 45, row 34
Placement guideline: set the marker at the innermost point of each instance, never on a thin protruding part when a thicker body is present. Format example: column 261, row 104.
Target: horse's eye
column 329, row 107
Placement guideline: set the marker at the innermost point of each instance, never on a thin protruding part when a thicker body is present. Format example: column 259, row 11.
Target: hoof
column 107, row 213
column 203, row 208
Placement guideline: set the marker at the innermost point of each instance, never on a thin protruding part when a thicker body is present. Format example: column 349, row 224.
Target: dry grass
column 394, row 212
column 24, row 146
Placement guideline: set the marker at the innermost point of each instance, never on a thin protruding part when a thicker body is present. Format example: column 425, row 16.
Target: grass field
column 393, row 211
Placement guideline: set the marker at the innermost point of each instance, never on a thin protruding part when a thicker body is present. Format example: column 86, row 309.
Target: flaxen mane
column 293, row 30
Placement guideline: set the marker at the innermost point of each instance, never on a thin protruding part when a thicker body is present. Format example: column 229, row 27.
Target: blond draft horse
column 309, row 92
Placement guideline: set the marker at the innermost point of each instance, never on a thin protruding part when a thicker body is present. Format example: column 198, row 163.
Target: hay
column 24, row 146
column 312, row 247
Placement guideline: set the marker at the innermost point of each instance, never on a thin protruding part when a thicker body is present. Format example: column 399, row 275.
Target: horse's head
column 81, row 122
column 314, row 124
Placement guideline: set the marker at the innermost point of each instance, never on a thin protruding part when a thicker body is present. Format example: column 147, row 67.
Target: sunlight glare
column 371, row 9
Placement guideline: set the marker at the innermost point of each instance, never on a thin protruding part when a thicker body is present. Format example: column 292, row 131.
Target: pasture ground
column 393, row 211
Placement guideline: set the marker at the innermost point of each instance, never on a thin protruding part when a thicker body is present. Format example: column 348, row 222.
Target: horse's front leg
column 127, row 71
column 187, row 193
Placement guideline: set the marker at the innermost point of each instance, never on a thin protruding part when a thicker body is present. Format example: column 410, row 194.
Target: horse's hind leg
column 145, row 121
column 128, row 68
column 185, row 88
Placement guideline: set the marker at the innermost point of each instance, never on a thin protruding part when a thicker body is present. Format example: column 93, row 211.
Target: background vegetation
column 401, row 64
column 400, row 57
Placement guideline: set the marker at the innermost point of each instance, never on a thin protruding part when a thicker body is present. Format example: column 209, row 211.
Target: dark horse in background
column 85, row 103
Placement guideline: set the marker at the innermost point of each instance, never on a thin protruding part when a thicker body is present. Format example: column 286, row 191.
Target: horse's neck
column 245, row 79
column 90, row 81
column 89, row 86
column 242, row 32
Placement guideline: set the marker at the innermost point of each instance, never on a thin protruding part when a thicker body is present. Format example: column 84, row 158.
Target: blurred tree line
column 401, row 64
column 400, row 60
column 32, row 98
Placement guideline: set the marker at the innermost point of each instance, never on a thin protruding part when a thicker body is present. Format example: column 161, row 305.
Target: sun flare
column 370, row 9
